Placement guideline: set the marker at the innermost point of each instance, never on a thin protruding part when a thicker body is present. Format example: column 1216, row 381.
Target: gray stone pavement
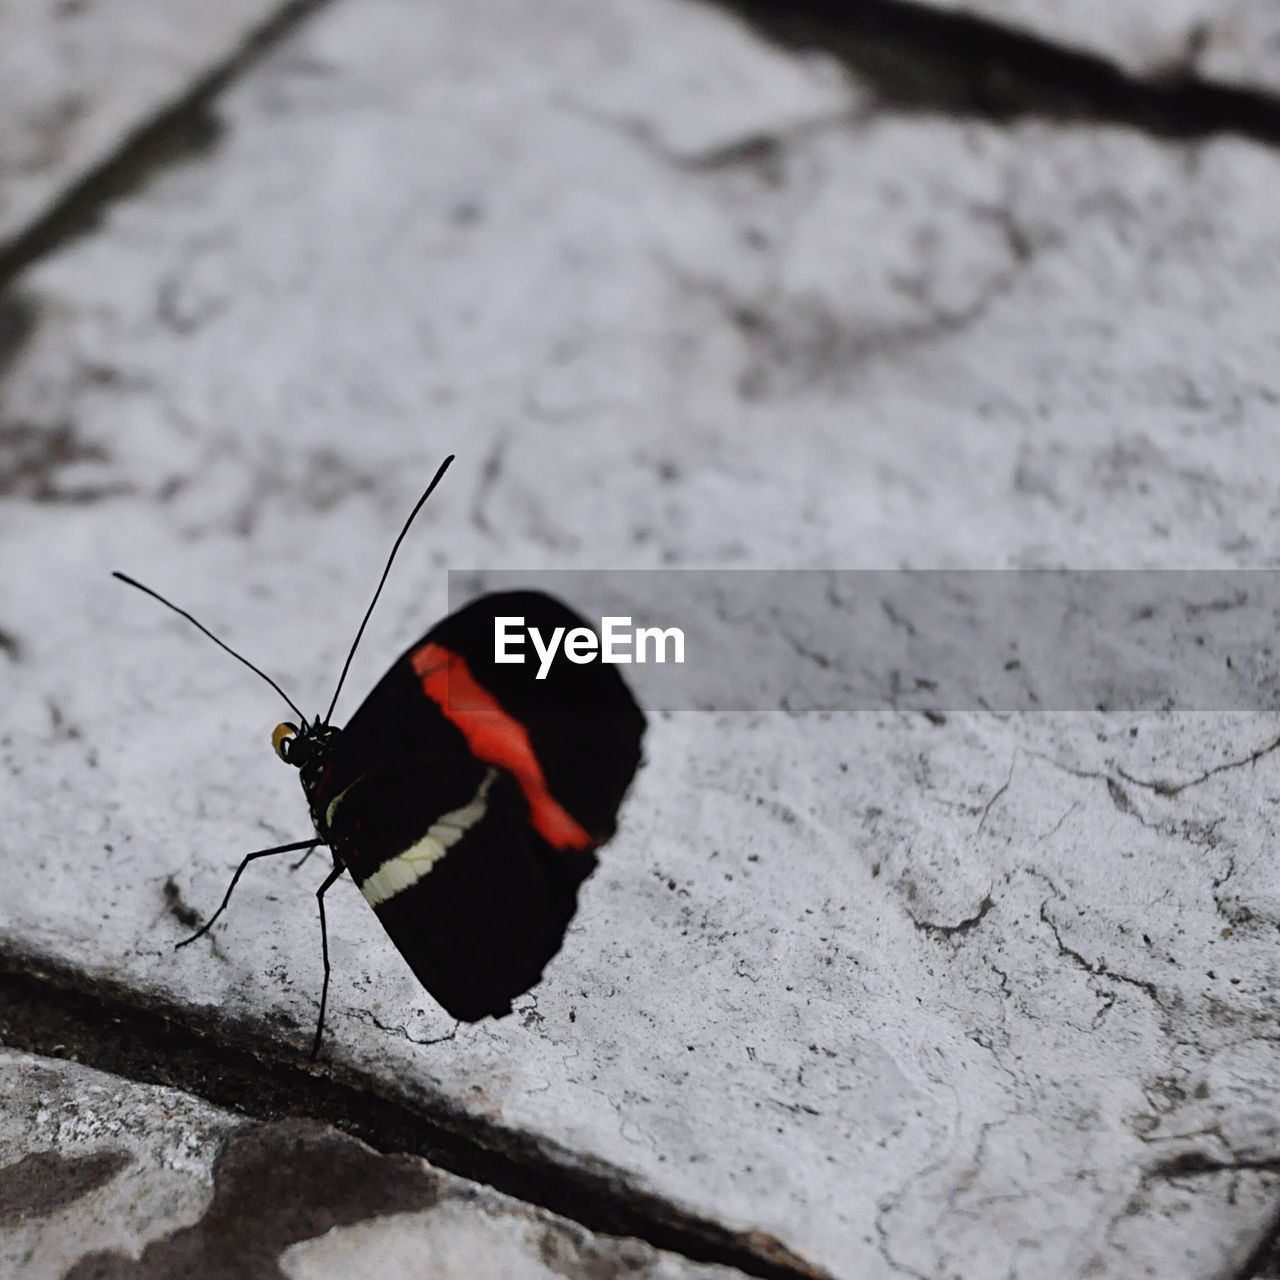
column 883, row 994
column 104, row 1177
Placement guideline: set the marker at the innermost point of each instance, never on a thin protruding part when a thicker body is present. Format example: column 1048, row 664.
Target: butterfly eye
column 282, row 737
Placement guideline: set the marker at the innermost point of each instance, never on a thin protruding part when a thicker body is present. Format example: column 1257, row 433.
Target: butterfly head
column 303, row 746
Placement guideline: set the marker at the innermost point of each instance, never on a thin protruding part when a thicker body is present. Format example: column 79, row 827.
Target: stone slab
column 103, row 1177
column 910, row 995
column 78, row 78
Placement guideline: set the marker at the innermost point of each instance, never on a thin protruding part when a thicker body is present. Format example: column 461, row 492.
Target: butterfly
column 466, row 798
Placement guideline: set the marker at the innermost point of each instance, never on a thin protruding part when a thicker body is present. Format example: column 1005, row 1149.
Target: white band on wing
column 407, row 868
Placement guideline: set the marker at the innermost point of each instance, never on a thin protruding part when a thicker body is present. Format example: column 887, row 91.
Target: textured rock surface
column 981, row 997
column 100, row 1177
column 77, row 78
column 90, row 1162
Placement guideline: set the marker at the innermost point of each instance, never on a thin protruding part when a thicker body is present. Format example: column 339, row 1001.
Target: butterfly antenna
column 133, row 582
column 346, row 666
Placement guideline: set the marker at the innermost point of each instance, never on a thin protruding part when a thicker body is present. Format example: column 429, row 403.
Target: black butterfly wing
column 467, row 799
column 473, row 898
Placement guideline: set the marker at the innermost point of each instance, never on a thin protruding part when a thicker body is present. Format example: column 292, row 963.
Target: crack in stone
column 1120, row 798
column 960, row 927
column 183, row 127
column 1098, row 970
column 1237, row 914
column 1057, row 826
column 1169, row 788
column 399, row 1029
column 890, row 1202
column 916, row 57
column 986, row 809
column 758, row 150
column 1197, row 1163
column 882, row 1244
column 1202, row 834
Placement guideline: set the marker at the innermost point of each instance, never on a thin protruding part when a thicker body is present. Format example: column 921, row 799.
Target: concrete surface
column 101, row 1177
column 888, row 996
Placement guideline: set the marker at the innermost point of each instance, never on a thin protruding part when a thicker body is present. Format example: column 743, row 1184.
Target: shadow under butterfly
column 465, row 797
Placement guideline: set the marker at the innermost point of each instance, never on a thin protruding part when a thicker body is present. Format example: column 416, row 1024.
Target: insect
column 465, row 798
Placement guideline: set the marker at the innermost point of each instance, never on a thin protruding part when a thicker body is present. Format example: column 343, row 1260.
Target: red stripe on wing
column 496, row 737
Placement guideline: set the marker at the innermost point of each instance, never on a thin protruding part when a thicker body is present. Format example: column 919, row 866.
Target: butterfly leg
column 293, row 866
column 261, row 853
column 324, row 951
